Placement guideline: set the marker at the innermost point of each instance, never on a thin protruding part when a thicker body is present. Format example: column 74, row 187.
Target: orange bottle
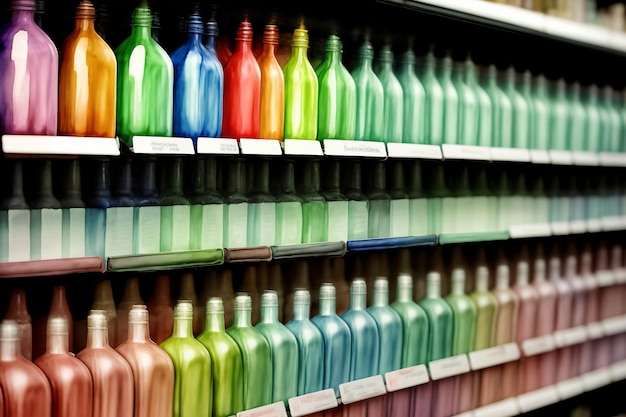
column 87, row 86
column 272, row 113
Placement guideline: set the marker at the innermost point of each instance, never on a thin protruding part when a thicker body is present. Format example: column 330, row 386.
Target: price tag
column 447, row 367
column 569, row 337
column 595, row 331
column 618, row 371
column 611, row 224
column 504, row 408
column 59, row 145
column 578, row 226
column 561, row 157
column 519, row 231
column 303, row 147
column 218, row 146
column 614, row 325
column 414, row 150
column 465, row 414
column 314, row 402
column 612, row 159
column 493, row 356
column 585, row 158
column 537, row 399
column 559, row 228
column 267, row 147
column 569, row 388
column 466, row 152
column 605, row 278
column 594, row 225
column 538, row 345
column 620, row 276
column 539, row 156
column 597, row 378
column 335, row 147
column 362, row 389
column 510, row 154
column 272, row 410
column 160, row 145
column 406, row 378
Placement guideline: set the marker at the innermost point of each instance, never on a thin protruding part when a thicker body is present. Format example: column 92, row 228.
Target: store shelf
column 391, row 243
column 448, row 238
column 162, row 145
column 166, row 261
column 309, row 250
column 217, row 146
column 51, row 267
column 254, row 254
column 57, row 146
column 414, row 151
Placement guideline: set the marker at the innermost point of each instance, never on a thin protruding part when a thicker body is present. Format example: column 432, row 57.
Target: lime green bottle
column 393, row 97
column 337, row 95
column 486, row 306
column 369, row 97
column 145, row 82
column 193, row 383
column 434, row 102
column 225, row 359
column 301, row 90
column 450, row 102
column 414, row 96
column 464, row 311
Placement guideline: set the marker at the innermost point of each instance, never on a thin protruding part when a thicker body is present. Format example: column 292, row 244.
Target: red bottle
column 70, row 380
column 161, row 310
column 113, row 388
column 19, row 312
column 153, row 370
column 32, row 396
column 242, row 88
column 103, row 300
column 131, row 297
column 58, row 308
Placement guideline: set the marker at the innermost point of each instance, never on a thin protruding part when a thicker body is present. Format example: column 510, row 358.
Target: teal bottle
column 440, row 319
column 501, row 111
column 193, row 383
column 520, row 133
column 310, row 344
column 464, row 312
column 540, row 133
column 283, row 348
column 612, row 131
column 313, row 204
column 227, row 367
column 434, row 102
column 576, row 124
column 558, row 116
column 467, row 130
column 337, row 95
column 370, row 105
column 145, row 82
column 255, row 354
column 450, row 102
column 393, row 97
column 593, row 127
column 389, row 328
column 485, row 105
column 337, row 340
column 414, row 101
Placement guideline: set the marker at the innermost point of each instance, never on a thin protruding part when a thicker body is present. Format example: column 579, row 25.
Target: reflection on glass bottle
column 450, row 102
column 485, row 310
column 369, row 97
column 288, row 208
column 389, row 328
column 272, row 113
column 313, row 204
column 414, row 101
column 434, row 102
column 393, row 97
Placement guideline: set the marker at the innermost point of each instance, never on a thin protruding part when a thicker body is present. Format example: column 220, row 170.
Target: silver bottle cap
column 57, row 325
column 381, row 284
column 243, row 302
column 302, row 297
column 97, row 319
column 215, row 305
column 405, row 281
column 358, row 287
column 269, row 298
column 183, row 309
column 9, row 330
column 327, row 291
column 502, row 277
column 138, row 313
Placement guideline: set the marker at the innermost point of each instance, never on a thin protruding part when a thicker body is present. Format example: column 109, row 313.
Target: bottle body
column 337, row 348
column 310, row 351
column 464, row 312
column 414, row 101
column 393, row 99
column 485, row 319
column 272, row 98
column 369, row 98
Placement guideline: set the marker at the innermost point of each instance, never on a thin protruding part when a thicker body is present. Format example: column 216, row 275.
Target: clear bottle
column 370, row 105
column 226, row 361
column 193, row 383
column 393, row 97
column 147, row 212
column 207, row 206
column 313, row 204
column 175, row 208
column 414, row 101
column 261, row 207
column 236, row 216
column 358, row 216
column 152, row 368
column 18, row 311
column 272, row 101
column 399, row 213
column 434, row 102
column 256, row 355
column 389, row 328
column 113, row 386
column 337, row 206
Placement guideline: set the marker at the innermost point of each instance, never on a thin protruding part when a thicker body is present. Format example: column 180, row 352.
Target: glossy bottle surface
column 506, row 316
column 464, row 312
column 389, row 328
column 152, row 368
column 393, row 97
column 501, row 110
column 18, row 311
column 434, row 102
column 485, row 310
column 130, row 298
column 451, row 133
column 193, row 383
column 87, row 80
column 29, row 64
column 440, row 319
column 369, row 97
column 414, row 101
column 272, row 111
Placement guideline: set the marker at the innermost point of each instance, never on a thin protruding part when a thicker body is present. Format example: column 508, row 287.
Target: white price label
column 407, row 377
column 362, row 389
column 447, row 367
column 613, row 159
column 595, row 331
column 569, row 388
column 594, row 225
column 510, row 154
column 303, row 147
column 414, row 150
column 493, row 356
column 578, row 226
column 312, row 403
column 504, row 408
column 518, row 231
column 597, row 379
column 537, row 399
column 618, row 371
column 218, row 146
column 539, row 156
column 59, row 145
column 614, row 325
column 160, row 145
column 585, row 158
column 561, row 157
column 466, row 152
column 335, row 147
column 620, row 276
column 272, row 410
column 538, row 345
column 569, row 337
column 269, row 147
column 559, row 228
column 605, row 278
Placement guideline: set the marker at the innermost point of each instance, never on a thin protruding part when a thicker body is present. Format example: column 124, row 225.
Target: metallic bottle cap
column 9, row 330
column 214, row 305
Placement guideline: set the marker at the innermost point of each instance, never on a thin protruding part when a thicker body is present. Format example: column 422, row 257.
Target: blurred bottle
column 450, row 102
column 593, row 127
column 464, row 311
column 175, row 208
column 558, row 115
column 486, row 308
column 539, row 135
column 288, row 208
column 434, row 111
column 393, row 97
column 464, row 81
column 130, row 298
column 577, row 120
column 207, row 206
column 15, row 219
column 160, row 309
column 272, row 101
column 103, row 300
column 370, row 102
column 236, row 216
column 501, row 110
column 313, row 204
column 521, row 127
column 414, row 101
column 546, row 308
column 18, row 312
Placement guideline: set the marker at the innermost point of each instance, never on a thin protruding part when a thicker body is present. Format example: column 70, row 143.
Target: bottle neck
column 45, row 179
column 138, row 332
column 299, row 52
column 357, row 302
column 141, row 31
column 10, row 350
column 210, row 174
column 24, row 16
column 332, row 179
column 124, row 185
column 85, row 24
column 148, row 183
column 210, row 43
column 381, row 298
column 354, row 180
column 173, row 178
column 301, row 311
column 379, row 179
column 242, row 318
column 405, row 294
column 183, row 327
column 215, row 322
column 289, row 178
column 433, row 290
column 327, row 307
column 194, row 39
column 243, row 46
column 261, row 180
column 269, row 49
column 97, row 338
column 57, row 343
column 269, row 314
column 102, row 182
column 365, row 63
column 234, row 177
column 310, row 180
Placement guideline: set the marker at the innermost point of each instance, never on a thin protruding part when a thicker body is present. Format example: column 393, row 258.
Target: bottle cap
column 358, row 287
column 156, row 20
column 17, row 307
column 271, row 35
column 458, row 275
column 381, row 284
column 555, row 268
column 138, row 313
column 141, row 17
column 482, row 279
column 24, row 5
column 522, row 273
column 405, row 281
column 85, row 10
column 244, row 33
column 269, row 298
column 540, row 270
column 302, row 297
column 502, row 277
column 433, row 277
column 300, row 37
column 333, row 44
column 386, row 54
column 215, row 305
column 366, row 51
column 327, row 291
column 586, row 263
column 183, row 309
column 97, row 320
column 408, row 58
column 194, row 23
column 9, row 330
column 57, row 325
column 570, row 266
column 243, row 302
column 211, row 28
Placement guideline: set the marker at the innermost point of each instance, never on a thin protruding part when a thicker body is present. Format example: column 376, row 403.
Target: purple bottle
column 29, row 65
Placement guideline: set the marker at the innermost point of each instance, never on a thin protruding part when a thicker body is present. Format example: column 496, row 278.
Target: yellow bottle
column 87, row 87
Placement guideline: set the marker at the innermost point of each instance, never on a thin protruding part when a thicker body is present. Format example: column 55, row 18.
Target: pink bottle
column 546, row 309
column 103, row 300
column 112, row 377
column 70, row 380
column 579, row 296
column 131, row 297
column 617, row 263
column 19, row 312
column 30, row 398
column 563, row 321
column 153, row 370
column 609, row 307
column 58, row 308
column 592, row 309
column 161, row 310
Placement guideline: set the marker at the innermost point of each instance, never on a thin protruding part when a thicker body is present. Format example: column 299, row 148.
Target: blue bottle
column 337, row 339
column 198, row 85
column 365, row 350
column 310, row 345
column 97, row 204
column 389, row 328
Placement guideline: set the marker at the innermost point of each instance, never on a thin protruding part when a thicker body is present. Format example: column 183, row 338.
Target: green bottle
column 358, row 216
column 255, row 354
column 369, row 97
column 558, row 116
column 226, row 360
column 440, row 319
column 438, row 192
column 393, row 97
column 301, row 90
column 261, row 207
column 193, row 383
column 418, row 203
column 592, row 133
column 464, row 311
column 434, row 102
column 612, row 131
column 520, row 129
column 337, row 95
column 467, row 131
column 379, row 214
column 414, row 324
column 540, row 133
column 485, row 106
column 337, row 207
column 175, row 208
column 145, row 82
column 288, row 208
column 414, row 96
column 313, row 204
column 486, row 306
column 450, row 102
column 283, row 348
column 501, row 111
column 576, row 124
column 399, row 208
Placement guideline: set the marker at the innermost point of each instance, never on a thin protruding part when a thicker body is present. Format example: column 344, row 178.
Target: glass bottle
column 87, row 80
column 468, row 113
column 193, row 382
column 414, row 101
column 255, row 353
column 337, row 95
column 438, row 193
column 313, row 204
column 441, row 324
column 613, row 142
column 18, row 312
column 576, row 125
column 226, row 361
column 60, row 309
column 147, row 212
column 393, row 97
column 337, row 210
column 370, row 101
column 502, row 110
column 434, row 111
column 485, row 105
column 527, row 307
column 70, row 381
column 145, row 82
column 272, row 101
column 152, row 368
column 242, row 89
column 399, row 213
column 15, row 218
column 546, row 308
column 103, row 300
column 310, row 344
column 558, row 116
column 450, row 102
column 539, row 136
column 175, row 208
column 358, row 216
column 379, row 210
column 236, row 215
column 187, row 291
column 261, row 207
column 120, row 217
column 464, row 312
column 593, row 127
column 288, row 208
column 113, row 386
column 29, row 74
column 33, row 396
column 46, row 216
column 198, row 86
column 563, row 316
column 301, row 90
column 389, row 328
column 486, row 308
column 161, row 310
column 521, row 118
column 207, row 207
column 283, row 348
column 130, row 298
